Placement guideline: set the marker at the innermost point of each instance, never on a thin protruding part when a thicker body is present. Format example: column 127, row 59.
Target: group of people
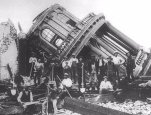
column 88, row 70
column 52, row 92
column 97, row 68
column 103, row 75
column 83, row 70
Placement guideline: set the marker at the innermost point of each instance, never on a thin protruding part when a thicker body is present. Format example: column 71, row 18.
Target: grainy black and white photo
column 75, row 57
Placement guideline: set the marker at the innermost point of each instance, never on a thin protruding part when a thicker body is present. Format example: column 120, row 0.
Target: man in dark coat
column 101, row 69
column 130, row 65
column 110, row 71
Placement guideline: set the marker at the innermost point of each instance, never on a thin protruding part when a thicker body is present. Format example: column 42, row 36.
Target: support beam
column 98, row 51
column 114, row 46
column 119, row 42
column 105, row 46
column 123, row 37
column 117, row 45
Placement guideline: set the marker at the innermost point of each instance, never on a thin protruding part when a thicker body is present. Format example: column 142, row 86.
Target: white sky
column 132, row 17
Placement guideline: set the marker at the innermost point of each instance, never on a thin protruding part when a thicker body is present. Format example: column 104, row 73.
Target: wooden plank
column 86, row 108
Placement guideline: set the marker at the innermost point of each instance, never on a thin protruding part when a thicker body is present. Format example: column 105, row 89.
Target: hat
column 26, row 87
column 105, row 77
column 116, row 52
column 110, row 57
column 66, row 74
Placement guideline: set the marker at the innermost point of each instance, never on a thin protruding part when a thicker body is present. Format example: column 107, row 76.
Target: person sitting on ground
column 105, row 86
column 24, row 97
column 66, row 82
column 65, row 87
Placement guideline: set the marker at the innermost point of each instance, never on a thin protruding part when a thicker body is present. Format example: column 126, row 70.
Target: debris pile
column 137, row 107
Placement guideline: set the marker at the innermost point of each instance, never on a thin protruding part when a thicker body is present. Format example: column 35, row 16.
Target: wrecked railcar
column 60, row 34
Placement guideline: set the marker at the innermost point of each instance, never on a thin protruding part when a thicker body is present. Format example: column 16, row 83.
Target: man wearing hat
column 101, row 68
column 32, row 61
column 39, row 69
column 105, row 86
column 66, row 66
column 117, row 60
column 130, row 65
column 26, row 96
column 110, row 70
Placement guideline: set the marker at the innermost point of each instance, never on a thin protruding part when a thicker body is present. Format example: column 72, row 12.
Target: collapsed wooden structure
column 57, row 32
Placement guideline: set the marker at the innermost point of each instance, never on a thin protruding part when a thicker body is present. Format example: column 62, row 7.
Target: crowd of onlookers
column 93, row 69
column 93, row 73
column 87, row 71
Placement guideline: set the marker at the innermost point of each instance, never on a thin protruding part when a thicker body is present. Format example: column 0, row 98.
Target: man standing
column 66, row 66
column 93, row 75
column 118, row 61
column 74, row 62
column 110, row 71
column 32, row 60
column 130, row 65
column 39, row 68
column 101, row 69
column 94, row 67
